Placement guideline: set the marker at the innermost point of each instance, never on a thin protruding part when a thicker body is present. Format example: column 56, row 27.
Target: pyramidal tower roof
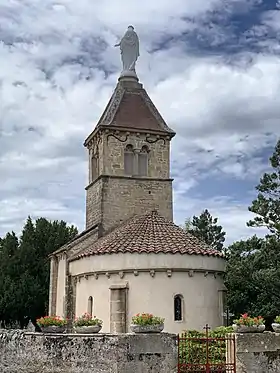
column 130, row 108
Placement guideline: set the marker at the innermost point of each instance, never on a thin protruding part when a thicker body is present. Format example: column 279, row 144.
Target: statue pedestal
column 129, row 74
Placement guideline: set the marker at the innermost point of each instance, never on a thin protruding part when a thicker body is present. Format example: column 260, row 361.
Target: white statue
column 129, row 46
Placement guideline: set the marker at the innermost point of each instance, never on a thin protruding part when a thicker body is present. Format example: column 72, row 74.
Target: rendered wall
column 152, row 281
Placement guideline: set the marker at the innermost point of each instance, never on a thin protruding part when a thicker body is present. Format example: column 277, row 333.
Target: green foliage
column 253, row 276
column 193, row 345
column 267, row 204
column 24, row 268
column 206, row 228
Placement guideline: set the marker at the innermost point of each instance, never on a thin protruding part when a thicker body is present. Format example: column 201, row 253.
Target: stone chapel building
column 131, row 257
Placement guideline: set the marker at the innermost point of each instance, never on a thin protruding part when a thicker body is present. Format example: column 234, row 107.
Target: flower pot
column 53, row 329
column 248, row 329
column 147, row 328
column 88, row 329
column 276, row 327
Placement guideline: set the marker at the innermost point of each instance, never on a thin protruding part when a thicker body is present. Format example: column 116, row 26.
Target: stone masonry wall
column 258, row 353
column 101, row 353
column 125, row 197
column 94, row 203
column 58, row 275
column 158, row 159
column 112, row 200
column 135, row 195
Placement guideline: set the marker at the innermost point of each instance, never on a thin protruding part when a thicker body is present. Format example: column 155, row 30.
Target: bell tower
column 129, row 152
column 129, row 159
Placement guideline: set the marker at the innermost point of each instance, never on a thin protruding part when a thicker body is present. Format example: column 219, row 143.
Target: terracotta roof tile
column 149, row 233
column 134, row 112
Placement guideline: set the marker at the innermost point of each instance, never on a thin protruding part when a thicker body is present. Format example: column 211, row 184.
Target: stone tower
column 129, row 159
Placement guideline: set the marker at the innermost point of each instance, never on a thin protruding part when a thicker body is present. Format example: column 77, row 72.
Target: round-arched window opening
column 90, row 306
column 178, row 307
column 129, row 160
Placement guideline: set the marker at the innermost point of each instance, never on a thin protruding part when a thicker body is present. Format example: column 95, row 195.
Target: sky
column 211, row 67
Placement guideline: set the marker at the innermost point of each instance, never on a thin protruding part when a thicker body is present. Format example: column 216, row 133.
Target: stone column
column 53, row 285
column 118, row 308
column 230, row 352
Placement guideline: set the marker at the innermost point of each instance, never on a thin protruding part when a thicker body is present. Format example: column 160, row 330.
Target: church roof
column 149, row 233
column 131, row 108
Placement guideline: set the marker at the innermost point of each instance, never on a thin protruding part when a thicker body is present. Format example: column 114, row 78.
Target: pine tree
column 267, row 204
column 206, row 228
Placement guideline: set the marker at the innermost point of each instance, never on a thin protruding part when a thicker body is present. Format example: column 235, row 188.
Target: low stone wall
column 258, row 353
column 22, row 352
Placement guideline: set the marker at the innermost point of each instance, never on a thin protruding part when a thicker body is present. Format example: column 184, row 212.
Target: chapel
column 131, row 257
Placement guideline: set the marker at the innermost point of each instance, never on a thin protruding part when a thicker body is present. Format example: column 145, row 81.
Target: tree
column 24, row 265
column 267, row 204
column 253, row 276
column 8, row 274
column 206, row 228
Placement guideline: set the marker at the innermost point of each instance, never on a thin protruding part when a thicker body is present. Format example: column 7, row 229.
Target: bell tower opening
column 129, row 156
column 143, row 161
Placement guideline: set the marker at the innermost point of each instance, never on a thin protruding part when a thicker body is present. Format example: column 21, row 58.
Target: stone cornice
column 153, row 272
column 118, row 131
column 126, row 178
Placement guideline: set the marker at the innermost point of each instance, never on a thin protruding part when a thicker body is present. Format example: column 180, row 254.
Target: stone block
column 22, row 352
column 258, row 353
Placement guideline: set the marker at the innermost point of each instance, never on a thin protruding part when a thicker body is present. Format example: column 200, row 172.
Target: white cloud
column 231, row 215
column 58, row 68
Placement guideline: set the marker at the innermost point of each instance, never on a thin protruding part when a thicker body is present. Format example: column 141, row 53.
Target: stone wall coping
column 78, row 335
column 257, row 342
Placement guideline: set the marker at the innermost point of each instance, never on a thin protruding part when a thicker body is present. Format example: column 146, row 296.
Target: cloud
column 231, row 215
column 213, row 75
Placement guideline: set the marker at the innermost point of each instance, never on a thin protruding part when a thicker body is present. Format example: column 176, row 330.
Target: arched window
column 143, row 161
column 90, row 306
column 178, row 307
column 128, row 160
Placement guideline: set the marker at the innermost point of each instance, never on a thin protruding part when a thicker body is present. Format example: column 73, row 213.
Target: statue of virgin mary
column 129, row 46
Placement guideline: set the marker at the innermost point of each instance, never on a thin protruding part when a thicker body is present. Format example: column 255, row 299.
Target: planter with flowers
column 147, row 323
column 52, row 324
column 87, row 325
column 246, row 324
column 276, row 324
